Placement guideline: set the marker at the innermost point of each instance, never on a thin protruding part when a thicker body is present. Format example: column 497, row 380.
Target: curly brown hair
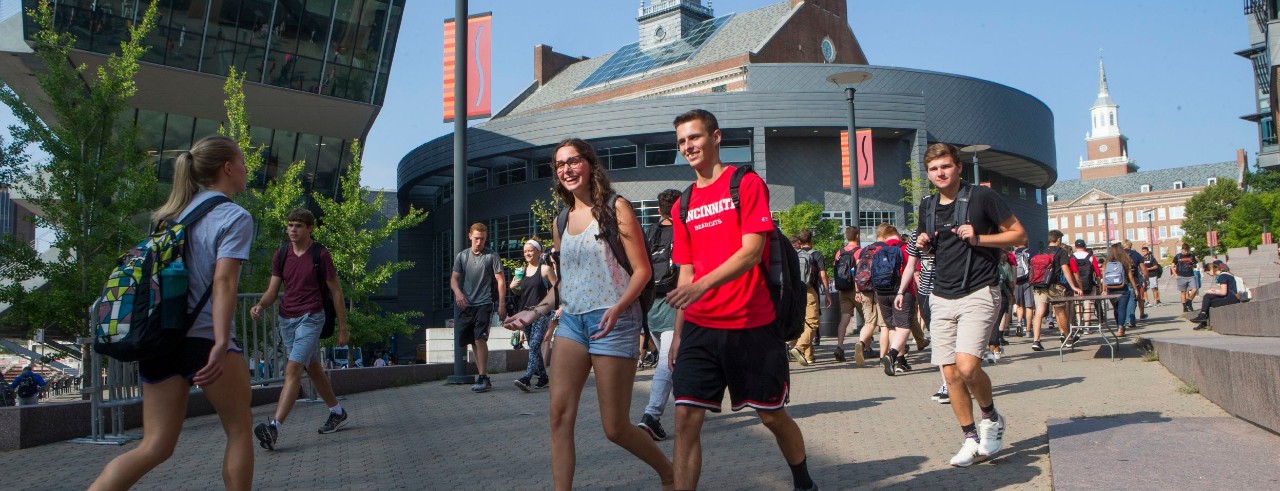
column 599, row 186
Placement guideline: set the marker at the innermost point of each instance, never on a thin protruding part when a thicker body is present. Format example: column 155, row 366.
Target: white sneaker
column 991, row 435
column 968, row 454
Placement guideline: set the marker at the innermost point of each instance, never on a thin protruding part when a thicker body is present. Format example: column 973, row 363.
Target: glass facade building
column 338, row 48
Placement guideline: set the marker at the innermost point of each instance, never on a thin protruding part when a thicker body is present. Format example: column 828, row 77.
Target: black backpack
column 1085, row 270
column 27, row 385
column 665, row 271
column 845, row 266
column 330, row 313
column 781, row 271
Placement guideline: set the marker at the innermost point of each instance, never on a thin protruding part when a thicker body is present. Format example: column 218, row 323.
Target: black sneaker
column 886, row 362
column 267, row 435
column 482, row 384
column 1036, row 346
column 839, row 354
column 542, row 383
column 1143, row 317
column 653, row 427
column 523, row 383
column 1199, row 318
column 902, row 363
column 1201, row 326
column 944, row 398
column 334, row 422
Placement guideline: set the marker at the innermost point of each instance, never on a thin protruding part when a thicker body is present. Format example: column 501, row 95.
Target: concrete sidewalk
column 863, row 430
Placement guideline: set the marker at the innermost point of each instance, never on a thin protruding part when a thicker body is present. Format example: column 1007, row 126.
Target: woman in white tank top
column 600, row 321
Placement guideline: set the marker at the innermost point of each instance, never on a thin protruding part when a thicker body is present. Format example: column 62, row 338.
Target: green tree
column 914, row 189
column 827, row 235
column 1209, row 208
column 268, row 206
column 1262, row 180
column 96, row 184
column 351, row 229
column 1244, row 224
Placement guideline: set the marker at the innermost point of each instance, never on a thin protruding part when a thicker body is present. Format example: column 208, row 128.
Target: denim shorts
column 301, row 335
column 623, row 341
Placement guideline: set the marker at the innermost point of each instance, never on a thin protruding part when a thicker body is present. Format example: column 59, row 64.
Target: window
column 1052, row 197
column 1062, row 222
column 1177, row 212
column 1142, row 234
column 1164, row 251
column 735, row 151
column 1176, row 232
column 1160, row 213
column 1128, row 234
column 646, row 211
column 507, row 234
column 443, row 265
column 1022, row 192
column 1128, row 217
column 1212, row 181
column 662, row 154
column 841, row 216
column 542, row 169
column 1268, row 128
column 869, row 220
column 1079, row 222
column 513, row 173
column 477, row 180
column 1145, row 188
column 1088, row 220
column 1091, row 236
column 1113, row 119
column 1177, row 184
column 618, row 157
column 1038, row 202
column 1053, row 223
column 1164, row 232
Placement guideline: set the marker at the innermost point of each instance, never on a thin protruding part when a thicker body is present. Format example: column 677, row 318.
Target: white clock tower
column 1107, row 148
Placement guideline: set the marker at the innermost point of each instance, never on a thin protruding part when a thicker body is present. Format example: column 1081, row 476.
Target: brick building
column 1113, row 197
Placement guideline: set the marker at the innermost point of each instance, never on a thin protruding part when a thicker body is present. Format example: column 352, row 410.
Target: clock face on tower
column 1102, row 147
column 659, row 33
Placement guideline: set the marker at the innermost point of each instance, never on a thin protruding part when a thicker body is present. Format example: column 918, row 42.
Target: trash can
column 829, row 318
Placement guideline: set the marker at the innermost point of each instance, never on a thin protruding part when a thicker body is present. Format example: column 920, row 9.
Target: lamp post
column 1106, row 215
column 459, row 375
column 1151, row 229
column 847, row 80
column 975, row 149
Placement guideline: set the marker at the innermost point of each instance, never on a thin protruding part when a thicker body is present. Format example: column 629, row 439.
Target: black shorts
column 893, row 317
column 751, row 363
column 473, row 323
column 187, row 359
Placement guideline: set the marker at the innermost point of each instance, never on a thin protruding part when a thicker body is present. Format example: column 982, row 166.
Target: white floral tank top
column 590, row 277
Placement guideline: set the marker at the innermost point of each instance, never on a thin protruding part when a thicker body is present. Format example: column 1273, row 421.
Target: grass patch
column 1151, row 356
column 1147, row 348
column 1188, row 389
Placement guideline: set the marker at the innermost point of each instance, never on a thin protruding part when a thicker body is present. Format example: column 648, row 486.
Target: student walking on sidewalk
column 965, row 225
column 603, row 268
column 209, row 357
column 299, row 267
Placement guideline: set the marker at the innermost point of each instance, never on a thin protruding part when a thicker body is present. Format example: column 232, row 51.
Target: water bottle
column 173, row 295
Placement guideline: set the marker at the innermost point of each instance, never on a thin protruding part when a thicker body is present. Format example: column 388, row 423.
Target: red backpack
column 862, row 275
column 1042, row 268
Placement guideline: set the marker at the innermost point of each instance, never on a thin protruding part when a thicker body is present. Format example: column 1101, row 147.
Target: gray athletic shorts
column 1186, row 283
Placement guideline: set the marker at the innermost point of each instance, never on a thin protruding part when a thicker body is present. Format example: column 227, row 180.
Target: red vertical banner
column 479, row 66
column 866, row 159
column 1266, row 237
column 1213, row 238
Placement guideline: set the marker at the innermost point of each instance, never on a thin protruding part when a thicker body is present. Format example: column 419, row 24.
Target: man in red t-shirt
column 722, row 336
column 301, row 319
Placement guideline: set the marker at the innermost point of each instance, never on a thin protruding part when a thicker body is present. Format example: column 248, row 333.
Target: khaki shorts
column 1053, row 292
column 962, row 325
column 847, row 302
column 871, row 311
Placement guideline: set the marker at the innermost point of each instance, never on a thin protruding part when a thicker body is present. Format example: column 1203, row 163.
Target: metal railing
column 116, row 386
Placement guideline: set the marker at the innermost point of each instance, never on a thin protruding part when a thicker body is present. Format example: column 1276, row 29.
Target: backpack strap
column 316, row 248
column 190, row 221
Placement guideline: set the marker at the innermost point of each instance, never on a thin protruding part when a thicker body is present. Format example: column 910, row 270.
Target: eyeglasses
column 576, row 161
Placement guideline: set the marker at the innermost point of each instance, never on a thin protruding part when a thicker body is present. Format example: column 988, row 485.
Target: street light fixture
column 848, row 80
column 1106, row 215
column 974, row 149
column 1151, row 229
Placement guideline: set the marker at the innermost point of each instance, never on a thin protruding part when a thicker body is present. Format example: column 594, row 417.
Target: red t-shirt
column 713, row 234
column 302, row 291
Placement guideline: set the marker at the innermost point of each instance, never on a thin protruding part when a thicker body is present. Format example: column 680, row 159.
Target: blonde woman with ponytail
column 209, row 357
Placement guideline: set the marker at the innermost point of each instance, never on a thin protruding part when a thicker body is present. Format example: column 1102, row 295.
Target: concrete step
column 1147, row 451
column 1253, row 318
column 1235, row 372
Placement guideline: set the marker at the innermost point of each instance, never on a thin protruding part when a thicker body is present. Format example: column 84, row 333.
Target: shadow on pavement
column 1014, row 466
column 864, row 474
column 1104, row 423
column 1030, row 385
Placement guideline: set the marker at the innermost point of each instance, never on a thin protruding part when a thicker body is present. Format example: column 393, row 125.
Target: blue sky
column 1170, row 64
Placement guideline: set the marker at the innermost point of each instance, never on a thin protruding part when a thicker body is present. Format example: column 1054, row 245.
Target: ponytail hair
column 194, row 169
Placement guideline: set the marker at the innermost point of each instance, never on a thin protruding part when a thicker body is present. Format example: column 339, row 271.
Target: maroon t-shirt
column 300, row 285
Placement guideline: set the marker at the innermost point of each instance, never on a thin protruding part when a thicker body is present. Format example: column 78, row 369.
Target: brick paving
column 863, row 430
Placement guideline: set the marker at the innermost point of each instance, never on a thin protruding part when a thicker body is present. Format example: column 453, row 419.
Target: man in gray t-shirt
column 476, row 273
